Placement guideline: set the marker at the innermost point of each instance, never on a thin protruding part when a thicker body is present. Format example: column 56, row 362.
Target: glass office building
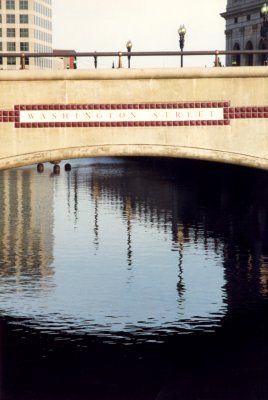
column 25, row 26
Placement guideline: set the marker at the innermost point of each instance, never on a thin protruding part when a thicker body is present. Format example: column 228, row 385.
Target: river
column 134, row 279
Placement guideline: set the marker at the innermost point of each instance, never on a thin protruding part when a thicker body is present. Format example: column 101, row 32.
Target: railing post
column 22, row 61
column 95, row 61
column 119, row 59
column 216, row 58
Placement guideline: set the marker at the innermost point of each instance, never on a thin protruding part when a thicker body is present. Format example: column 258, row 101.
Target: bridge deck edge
column 126, row 74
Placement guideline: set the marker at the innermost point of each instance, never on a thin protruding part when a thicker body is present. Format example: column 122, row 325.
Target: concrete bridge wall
column 217, row 114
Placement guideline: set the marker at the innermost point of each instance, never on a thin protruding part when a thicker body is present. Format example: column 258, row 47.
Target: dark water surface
column 134, row 279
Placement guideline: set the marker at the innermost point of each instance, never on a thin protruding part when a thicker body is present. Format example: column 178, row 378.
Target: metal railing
column 25, row 56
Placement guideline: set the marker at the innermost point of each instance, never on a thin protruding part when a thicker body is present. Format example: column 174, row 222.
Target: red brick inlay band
column 196, row 113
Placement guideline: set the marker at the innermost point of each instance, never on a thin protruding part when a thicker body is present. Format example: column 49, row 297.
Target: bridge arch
column 182, row 152
column 214, row 114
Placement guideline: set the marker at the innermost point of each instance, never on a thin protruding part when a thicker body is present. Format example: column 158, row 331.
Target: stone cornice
column 236, row 10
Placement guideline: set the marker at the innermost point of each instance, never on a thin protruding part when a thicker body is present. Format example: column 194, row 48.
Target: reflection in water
column 120, row 247
column 136, row 280
column 180, row 284
column 26, row 223
column 135, row 215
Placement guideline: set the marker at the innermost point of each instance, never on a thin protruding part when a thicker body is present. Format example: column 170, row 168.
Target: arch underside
column 134, row 150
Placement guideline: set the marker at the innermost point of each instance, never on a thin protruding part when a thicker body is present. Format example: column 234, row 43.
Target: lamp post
column 129, row 47
column 264, row 28
column 181, row 32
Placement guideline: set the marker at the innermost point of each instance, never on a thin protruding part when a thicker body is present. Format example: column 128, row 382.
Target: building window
column 11, row 60
column 11, row 46
column 236, row 20
column 24, row 32
column 23, row 4
column 24, row 19
column 236, row 57
column 10, row 32
column 10, row 19
column 0, row 18
column 0, row 32
column 24, row 46
column 10, row 4
column 248, row 17
column 249, row 61
column 1, row 46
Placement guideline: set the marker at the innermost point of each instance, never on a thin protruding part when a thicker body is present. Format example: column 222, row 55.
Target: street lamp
column 264, row 10
column 264, row 28
column 129, row 47
column 181, row 32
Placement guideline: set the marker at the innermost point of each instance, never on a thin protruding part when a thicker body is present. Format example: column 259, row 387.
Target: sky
column 151, row 25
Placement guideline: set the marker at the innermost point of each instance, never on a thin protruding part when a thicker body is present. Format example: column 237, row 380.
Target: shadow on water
column 228, row 363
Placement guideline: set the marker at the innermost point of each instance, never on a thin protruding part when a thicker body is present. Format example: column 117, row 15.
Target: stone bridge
column 214, row 114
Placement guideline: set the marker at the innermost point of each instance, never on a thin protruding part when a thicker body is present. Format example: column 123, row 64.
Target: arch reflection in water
column 138, row 251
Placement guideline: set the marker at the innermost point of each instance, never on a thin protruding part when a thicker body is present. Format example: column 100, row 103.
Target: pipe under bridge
column 214, row 114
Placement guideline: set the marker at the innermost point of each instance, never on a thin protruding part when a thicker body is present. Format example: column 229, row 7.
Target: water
column 134, row 279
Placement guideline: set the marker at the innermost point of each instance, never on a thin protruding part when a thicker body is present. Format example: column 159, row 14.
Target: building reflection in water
column 26, row 225
column 152, row 199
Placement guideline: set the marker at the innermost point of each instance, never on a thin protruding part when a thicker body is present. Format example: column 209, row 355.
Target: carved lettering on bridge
column 170, row 114
column 190, row 114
